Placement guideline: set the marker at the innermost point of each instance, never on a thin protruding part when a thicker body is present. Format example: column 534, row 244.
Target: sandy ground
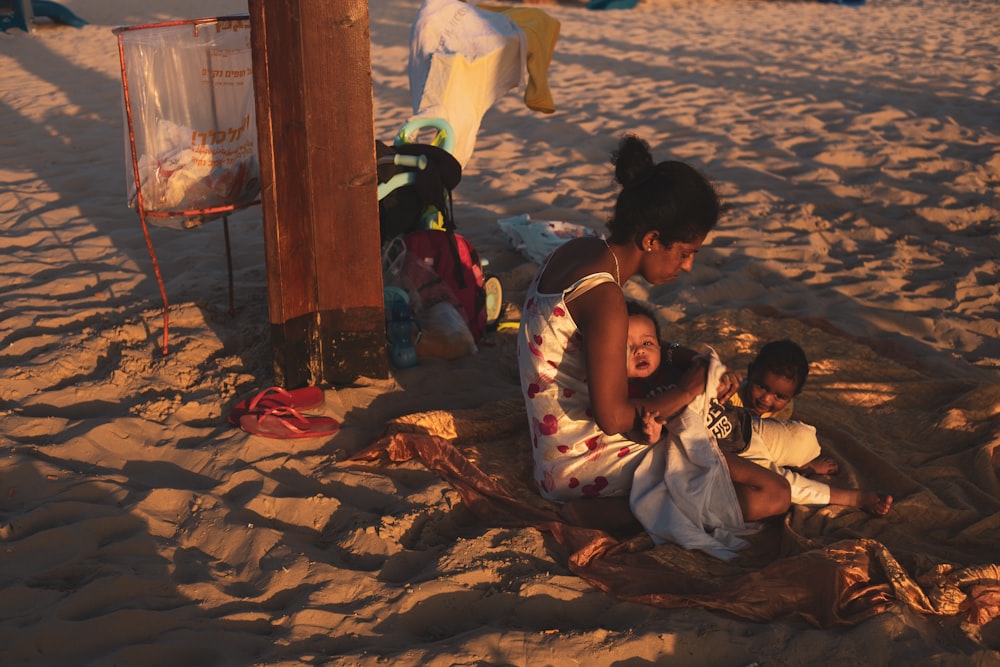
column 857, row 151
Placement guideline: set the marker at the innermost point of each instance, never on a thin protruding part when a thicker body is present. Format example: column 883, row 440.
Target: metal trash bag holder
column 187, row 90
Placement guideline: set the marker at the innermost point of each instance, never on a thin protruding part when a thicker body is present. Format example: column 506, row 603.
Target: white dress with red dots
column 574, row 458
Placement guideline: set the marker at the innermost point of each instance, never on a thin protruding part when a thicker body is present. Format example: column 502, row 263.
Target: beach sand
column 857, row 150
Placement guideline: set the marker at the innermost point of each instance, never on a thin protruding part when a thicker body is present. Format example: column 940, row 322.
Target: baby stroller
column 416, row 180
column 421, row 250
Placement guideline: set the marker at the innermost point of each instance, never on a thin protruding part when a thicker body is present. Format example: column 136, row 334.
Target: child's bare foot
column 823, row 465
column 876, row 504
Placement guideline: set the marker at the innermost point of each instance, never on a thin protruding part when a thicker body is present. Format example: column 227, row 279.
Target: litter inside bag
column 444, row 333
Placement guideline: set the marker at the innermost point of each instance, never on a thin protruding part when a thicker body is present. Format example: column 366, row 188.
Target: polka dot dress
column 573, row 457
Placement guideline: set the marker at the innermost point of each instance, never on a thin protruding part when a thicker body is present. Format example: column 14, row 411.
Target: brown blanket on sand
column 933, row 444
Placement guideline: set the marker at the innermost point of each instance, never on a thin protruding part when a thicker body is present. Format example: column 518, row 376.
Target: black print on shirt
column 730, row 425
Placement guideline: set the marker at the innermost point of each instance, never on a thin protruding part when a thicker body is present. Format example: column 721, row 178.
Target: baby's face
column 643, row 347
column 769, row 392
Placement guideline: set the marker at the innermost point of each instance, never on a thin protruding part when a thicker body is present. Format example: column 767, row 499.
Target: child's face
column 643, row 347
column 769, row 392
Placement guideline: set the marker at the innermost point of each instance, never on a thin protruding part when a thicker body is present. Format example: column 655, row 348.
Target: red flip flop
column 287, row 423
column 276, row 397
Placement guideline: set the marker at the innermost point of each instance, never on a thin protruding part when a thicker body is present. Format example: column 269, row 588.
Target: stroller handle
column 413, row 161
column 444, row 136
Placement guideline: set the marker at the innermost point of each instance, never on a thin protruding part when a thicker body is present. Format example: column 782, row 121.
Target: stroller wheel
column 494, row 300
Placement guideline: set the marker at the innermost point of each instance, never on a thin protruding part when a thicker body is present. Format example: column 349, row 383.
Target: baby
column 650, row 371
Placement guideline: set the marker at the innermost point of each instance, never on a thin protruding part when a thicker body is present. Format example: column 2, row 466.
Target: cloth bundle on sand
column 682, row 492
column 934, row 444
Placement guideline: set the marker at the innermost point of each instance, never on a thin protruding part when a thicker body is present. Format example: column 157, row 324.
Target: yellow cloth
column 542, row 32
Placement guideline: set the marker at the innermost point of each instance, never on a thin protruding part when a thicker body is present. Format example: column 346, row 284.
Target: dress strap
column 587, row 283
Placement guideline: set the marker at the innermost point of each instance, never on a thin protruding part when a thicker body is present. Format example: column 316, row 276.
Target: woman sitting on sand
column 572, row 341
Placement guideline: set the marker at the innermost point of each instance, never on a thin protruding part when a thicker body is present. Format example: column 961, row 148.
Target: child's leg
column 806, row 491
column 770, row 439
column 876, row 504
column 762, row 493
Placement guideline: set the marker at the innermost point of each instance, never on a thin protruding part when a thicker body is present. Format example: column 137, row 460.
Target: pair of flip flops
column 275, row 413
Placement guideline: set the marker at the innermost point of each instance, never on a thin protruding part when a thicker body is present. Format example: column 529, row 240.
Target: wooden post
column 315, row 124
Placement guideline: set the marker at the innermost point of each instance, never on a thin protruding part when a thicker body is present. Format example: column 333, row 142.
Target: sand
column 857, row 151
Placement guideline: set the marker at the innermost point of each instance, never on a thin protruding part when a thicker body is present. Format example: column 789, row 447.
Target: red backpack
column 455, row 263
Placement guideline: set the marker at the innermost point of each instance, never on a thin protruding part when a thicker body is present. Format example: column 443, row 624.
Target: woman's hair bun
column 633, row 161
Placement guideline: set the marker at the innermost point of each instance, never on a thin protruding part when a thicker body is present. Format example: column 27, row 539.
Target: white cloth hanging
column 462, row 60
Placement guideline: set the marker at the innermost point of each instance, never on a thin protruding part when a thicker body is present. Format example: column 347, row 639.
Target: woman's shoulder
column 571, row 262
column 578, row 252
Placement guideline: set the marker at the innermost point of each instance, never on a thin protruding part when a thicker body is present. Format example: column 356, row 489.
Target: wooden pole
column 315, row 124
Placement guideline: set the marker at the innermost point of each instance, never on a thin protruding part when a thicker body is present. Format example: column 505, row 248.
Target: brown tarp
column 932, row 443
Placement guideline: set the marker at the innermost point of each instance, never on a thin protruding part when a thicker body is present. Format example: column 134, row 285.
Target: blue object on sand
column 15, row 14
column 21, row 14
column 57, row 12
column 612, row 4
column 400, row 327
